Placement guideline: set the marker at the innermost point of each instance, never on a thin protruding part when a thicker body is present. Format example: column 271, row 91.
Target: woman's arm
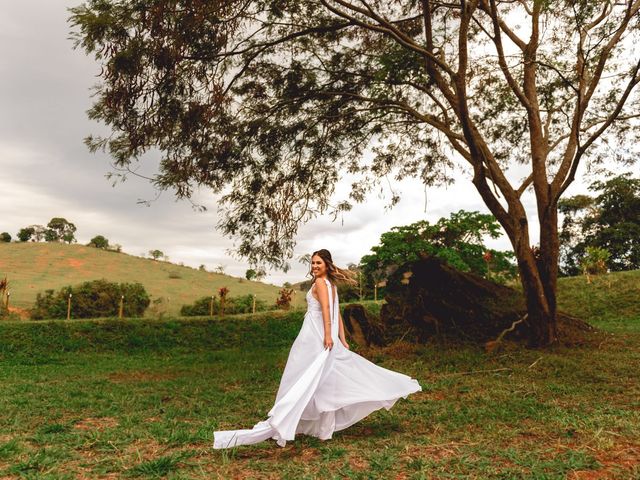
column 341, row 331
column 323, row 297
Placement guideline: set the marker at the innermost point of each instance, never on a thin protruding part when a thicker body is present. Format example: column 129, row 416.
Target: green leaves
column 609, row 221
column 458, row 240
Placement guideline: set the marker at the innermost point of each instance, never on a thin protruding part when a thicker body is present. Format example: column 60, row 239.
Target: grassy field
column 141, row 399
column 35, row 267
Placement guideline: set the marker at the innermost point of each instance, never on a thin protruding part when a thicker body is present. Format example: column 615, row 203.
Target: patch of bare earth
column 91, row 423
column 620, row 461
column 74, row 262
column 431, row 452
column 357, row 463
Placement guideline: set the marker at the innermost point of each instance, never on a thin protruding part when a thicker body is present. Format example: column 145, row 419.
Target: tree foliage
column 458, row 240
column 25, row 234
column 99, row 241
column 610, row 220
column 250, row 274
column 5, row 237
column 156, row 254
column 60, row 230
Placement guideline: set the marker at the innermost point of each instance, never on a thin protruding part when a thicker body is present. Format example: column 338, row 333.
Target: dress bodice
column 313, row 304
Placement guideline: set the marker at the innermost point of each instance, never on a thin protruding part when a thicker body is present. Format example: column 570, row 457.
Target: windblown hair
column 334, row 273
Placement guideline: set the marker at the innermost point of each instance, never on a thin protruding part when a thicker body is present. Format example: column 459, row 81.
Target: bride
column 325, row 387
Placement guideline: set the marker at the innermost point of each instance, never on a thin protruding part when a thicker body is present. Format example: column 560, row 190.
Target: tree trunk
column 538, row 268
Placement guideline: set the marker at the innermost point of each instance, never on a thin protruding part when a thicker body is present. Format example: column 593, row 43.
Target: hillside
column 611, row 301
column 35, row 267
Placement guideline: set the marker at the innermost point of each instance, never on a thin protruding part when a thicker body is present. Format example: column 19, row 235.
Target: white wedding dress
column 321, row 390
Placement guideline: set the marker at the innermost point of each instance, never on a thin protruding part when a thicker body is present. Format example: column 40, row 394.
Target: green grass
column 152, row 413
column 141, row 399
column 611, row 301
column 35, row 267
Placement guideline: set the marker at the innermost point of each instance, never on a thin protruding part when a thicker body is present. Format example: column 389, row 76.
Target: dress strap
column 332, row 300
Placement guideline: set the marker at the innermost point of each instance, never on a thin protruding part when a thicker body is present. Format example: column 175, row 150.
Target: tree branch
column 385, row 27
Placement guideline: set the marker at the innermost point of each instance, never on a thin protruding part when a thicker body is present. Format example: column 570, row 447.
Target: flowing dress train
column 321, row 390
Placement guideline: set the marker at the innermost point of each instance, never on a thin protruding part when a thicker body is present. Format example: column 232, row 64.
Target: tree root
column 492, row 345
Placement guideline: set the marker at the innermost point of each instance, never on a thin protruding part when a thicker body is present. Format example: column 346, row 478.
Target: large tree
column 267, row 101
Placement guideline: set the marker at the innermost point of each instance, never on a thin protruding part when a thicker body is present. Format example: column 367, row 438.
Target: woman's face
column 318, row 267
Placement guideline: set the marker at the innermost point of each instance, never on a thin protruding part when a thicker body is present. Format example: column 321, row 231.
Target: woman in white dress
column 325, row 387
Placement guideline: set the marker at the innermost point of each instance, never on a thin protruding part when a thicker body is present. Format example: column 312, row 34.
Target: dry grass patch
column 91, row 423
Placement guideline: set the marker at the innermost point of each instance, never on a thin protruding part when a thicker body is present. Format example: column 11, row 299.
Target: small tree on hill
column 260, row 273
column 39, row 233
column 99, row 241
column 25, row 234
column 5, row 237
column 156, row 254
column 60, row 230
column 250, row 274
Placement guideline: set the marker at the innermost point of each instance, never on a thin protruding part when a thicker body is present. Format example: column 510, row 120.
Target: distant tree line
column 58, row 229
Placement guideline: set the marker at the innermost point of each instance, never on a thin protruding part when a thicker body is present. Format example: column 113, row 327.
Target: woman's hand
column 328, row 342
column 344, row 342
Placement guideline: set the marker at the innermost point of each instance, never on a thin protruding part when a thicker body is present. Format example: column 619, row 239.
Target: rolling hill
column 36, row 267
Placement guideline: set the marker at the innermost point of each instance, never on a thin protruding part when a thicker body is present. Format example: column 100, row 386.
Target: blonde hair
column 334, row 273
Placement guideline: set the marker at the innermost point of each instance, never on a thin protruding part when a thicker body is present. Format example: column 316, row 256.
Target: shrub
column 5, row 237
column 595, row 261
column 97, row 298
column 284, row 300
column 232, row 306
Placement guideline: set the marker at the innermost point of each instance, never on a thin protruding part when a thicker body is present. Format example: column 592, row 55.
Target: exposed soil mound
column 428, row 299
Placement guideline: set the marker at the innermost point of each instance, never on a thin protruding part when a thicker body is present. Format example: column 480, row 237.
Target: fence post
column 121, row 310
column 253, row 309
column 211, row 306
column 8, row 295
column 69, row 306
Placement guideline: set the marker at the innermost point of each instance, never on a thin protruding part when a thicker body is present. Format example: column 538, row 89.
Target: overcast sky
column 47, row 171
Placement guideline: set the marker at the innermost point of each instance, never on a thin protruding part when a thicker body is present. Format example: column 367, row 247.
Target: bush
column 5, row 237
column 99, row 241
column 284, row 300
column 595, row 261
column 232, row 306
column 94, row 299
